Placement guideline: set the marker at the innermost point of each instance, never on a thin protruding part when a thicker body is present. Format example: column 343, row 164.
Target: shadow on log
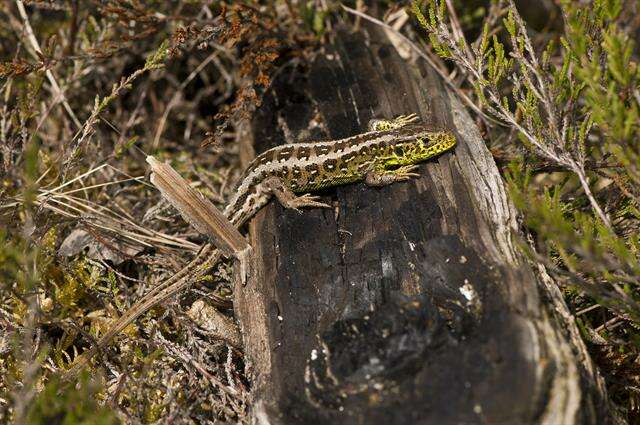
column 409, row 303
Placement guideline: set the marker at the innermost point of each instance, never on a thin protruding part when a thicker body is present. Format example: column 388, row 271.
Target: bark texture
column 405, row 304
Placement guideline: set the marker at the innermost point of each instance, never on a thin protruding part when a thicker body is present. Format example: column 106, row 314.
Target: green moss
column 67, row 405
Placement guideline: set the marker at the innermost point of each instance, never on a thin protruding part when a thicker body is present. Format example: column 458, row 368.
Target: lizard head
column 413, row 144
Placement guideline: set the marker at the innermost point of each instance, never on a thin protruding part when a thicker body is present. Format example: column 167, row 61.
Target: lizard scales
column 379, row 157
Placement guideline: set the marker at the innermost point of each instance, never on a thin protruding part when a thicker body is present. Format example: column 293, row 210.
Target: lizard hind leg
column 288, row 199
column 398, row 122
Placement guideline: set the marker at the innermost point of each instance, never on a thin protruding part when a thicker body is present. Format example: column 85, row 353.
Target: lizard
column 387, row 153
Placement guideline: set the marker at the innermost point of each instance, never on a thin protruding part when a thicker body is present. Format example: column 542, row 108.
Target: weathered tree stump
column 409, row 303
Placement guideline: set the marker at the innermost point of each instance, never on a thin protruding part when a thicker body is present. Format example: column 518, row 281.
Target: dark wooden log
column 409, row 303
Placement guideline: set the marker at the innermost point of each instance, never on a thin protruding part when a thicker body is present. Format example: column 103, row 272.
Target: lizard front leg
column 277, row 187
column 382, row 177
column 384, row 125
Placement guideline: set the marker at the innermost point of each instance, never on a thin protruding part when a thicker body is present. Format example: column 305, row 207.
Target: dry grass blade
column 100, row 217
column 59, row 94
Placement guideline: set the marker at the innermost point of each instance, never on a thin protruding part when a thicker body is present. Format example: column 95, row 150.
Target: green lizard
column 386, row 154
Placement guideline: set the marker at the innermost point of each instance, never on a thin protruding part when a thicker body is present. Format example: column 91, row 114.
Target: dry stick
column 207, row 219
column 199, row 211
column 579, row 171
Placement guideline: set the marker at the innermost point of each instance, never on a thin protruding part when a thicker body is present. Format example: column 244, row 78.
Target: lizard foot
column 307, row 200
column 405, row 173
column 398, row 122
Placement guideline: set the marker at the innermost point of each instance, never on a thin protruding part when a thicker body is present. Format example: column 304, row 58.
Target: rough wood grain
column 409, row 303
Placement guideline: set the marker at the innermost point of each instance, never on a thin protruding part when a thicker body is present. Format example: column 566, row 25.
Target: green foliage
column 573, row 100
column 575, row 106
column 578, row 245
column 312, row 16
